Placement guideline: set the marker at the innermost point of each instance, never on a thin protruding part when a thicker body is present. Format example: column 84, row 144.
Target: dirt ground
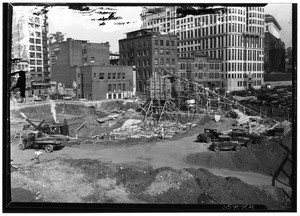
column 179, row 170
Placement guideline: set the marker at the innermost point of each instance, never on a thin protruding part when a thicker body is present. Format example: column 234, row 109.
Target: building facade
column 274, row 59
column 98, row 82
column 201, row 68
column 150, row 52
column 68, row 56
column 237, row 37
column 30, row 44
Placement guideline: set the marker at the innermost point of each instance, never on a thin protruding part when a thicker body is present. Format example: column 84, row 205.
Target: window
column 32, row 55
column 92, row 59
column 156, row 42
column 101, row 76
column 38, row 41
column 31, row 47
column 109, row 76
column 161, row 51
column 39, row 55
column 38, row 34
column 162, row 61
column 32, row 62
column 114, row 87
column 39, row 69
column 94, row 75
column 123, row 75
column 167, row 51
column 156, row 61
column 38, row 48
column 114, row 75
column 109, row 87
column 161, row 42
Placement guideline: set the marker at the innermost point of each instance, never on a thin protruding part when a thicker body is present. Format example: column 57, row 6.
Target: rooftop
column 270, row 18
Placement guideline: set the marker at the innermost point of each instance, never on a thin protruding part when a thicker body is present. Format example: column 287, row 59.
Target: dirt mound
column 98, row 182
column 266, row 160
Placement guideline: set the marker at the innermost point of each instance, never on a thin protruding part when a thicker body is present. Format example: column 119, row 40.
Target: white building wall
column 214, row 36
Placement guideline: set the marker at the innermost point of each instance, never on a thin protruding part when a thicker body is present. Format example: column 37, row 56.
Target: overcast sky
column 78, row 26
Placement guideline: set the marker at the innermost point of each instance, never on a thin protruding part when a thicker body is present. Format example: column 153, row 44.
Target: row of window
column 220, row 29
column 109, row 76
column 209, row 75
column 164, row 51
column 35, row 55
column 35, row 62
column 36, row 69
column 240, row 75
column 116, row 87
column 164, row 43
column 243, row 67
column 139, row 44
column 244, row 83
column 200, row 66
column 35, row 48
column 166, row 62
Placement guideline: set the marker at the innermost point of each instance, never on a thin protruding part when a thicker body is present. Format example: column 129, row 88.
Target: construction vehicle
column 56, row 128
column 38, row 141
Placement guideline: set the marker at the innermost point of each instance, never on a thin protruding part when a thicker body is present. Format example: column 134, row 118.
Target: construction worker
column 37, row 154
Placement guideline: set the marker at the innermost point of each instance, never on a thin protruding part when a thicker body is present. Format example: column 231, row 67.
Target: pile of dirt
column 93, row 181
column 266, row 160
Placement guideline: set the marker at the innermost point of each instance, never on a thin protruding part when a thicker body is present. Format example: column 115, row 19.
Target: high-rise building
column 30, row 43
column 274, row 58
column 150, row 52
column 237, row 37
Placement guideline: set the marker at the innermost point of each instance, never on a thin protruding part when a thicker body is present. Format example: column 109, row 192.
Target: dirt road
column 167, row 153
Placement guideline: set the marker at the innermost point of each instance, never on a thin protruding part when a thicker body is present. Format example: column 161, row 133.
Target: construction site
column 132, row 151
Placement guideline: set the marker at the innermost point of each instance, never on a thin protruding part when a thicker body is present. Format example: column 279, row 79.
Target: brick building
column 150, row 52
column 98, row 82
column 66, row 57
column 201, row 68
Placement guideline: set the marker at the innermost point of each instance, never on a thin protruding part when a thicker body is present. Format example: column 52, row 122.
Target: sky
column 80, row 26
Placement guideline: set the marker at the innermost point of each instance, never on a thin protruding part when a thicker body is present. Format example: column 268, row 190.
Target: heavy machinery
column 38, row 141
column 56, row 128
column 45, row 136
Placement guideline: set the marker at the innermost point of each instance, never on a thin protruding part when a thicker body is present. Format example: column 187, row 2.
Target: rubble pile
column 135, row 128
column 255, row 124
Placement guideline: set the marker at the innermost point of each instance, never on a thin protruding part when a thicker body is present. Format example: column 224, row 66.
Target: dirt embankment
column 267, row 159
column 93, row 181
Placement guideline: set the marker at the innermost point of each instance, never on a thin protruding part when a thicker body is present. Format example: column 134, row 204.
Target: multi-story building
column 201, row 68
column 30, row 43
column 114, row 58
column 150, row 52
column 237, row 37
column 288, row 60
column 274, row 59
column 68, row 56
column 106, row 82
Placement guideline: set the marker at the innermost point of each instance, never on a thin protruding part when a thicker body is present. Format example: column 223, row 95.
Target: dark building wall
column 145, row 50
column 75, row 53
column 274, row 54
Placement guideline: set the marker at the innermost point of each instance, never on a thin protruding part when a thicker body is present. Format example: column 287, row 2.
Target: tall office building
column 274, row 47
column 150, row 52
column 237, row 37
column 30, row 43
